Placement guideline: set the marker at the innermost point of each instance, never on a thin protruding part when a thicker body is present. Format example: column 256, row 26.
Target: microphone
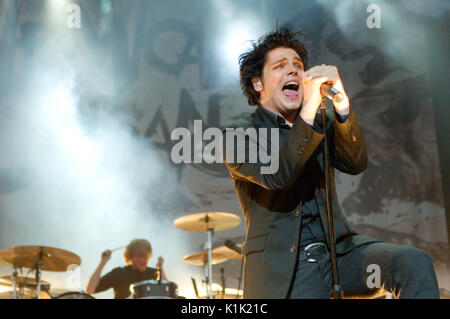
column 331, row 93
column 233, row 246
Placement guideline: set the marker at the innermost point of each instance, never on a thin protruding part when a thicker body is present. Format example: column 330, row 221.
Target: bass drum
column 74, row 295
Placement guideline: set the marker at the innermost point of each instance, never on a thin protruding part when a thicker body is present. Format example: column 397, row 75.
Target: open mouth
column 290, row 90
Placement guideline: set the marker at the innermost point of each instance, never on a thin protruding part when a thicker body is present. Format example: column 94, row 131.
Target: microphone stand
column 337, row 290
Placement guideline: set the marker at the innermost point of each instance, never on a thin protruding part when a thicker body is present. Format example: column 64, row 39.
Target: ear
column 257, row 84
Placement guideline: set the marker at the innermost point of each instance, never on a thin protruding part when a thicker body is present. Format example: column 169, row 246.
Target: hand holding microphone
column 322, row 80
column 331, row 93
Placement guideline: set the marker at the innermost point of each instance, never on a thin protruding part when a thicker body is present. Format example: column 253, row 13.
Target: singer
column 286, row 249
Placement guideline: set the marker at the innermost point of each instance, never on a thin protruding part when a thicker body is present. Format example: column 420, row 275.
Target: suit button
column 292, row 248
column 297, row 213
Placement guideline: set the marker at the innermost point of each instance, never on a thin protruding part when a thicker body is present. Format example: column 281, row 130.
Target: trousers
column 369, row 271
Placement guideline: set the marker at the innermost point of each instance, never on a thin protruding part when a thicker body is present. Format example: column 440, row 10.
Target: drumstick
column 113, row 250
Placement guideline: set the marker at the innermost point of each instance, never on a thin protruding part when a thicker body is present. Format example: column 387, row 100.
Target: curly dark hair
column 252, row 62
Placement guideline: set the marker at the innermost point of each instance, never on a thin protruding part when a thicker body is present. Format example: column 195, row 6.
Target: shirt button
column 292, row 248
column 297, row 213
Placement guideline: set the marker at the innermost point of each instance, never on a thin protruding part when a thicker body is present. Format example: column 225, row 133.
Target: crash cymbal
column 201, row 222
column 201, row 259
column 225, row 251
column 51, row 259
column 27, row 294
column 27, row 282
column 4, row 263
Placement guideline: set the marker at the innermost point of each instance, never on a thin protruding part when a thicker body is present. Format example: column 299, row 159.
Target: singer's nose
column 293, row 72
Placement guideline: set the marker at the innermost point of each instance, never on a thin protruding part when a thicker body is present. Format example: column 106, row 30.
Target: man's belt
column 313, row 251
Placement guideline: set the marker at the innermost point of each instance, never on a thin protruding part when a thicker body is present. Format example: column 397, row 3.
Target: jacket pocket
column 255, row 244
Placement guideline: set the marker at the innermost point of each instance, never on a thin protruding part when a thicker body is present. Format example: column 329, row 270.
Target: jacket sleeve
column 292, row 156
column 348, row 150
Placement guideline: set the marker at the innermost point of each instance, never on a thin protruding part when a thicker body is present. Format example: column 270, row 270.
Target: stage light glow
column 237, row 39
column 233, row 30
column 62, row 118
column 235, row 42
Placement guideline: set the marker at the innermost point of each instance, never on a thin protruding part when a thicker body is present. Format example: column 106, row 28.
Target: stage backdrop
column 88, row 107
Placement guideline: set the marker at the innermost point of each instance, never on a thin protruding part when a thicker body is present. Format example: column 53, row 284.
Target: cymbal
column 4, row 263
column 27, row 294
column 51, row 259
column 201, row 259
column 201, row 222
column 225, row 251
column 27, row 282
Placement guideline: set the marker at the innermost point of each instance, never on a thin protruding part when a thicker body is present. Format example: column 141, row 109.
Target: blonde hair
column 134, row 246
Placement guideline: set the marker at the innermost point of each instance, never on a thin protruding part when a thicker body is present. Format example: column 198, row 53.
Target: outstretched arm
column 95, row 277
column 160, row 267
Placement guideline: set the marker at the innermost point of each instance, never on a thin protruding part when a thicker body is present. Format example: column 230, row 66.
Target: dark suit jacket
column 272, row 204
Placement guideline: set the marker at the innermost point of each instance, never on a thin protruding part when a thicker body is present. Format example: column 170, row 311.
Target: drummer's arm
column 95, row 278
column 160, row 267
column 163, row 275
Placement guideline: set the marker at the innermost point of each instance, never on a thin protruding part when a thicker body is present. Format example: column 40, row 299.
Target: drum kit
column 36, row 259
column 43, row 258
column 210, row 222
column 207, row 222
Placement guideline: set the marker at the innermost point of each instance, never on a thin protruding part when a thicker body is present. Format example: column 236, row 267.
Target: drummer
column 137, row 254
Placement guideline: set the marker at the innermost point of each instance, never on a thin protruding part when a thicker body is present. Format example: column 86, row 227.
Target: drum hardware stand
column 337, row 290
column 222, row 277
column 15, row 282
column 208, row 246
column 205, row 281
column 38, row 276
column 207, row 222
